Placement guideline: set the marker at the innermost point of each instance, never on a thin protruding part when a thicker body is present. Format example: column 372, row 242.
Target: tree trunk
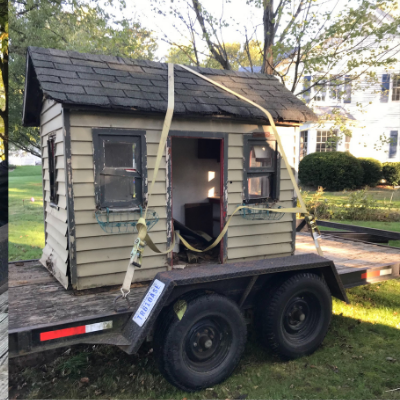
column 269, row 36
column 4, row 113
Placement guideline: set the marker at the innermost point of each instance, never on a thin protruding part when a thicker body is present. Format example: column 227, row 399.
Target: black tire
column 296, row 318
column 204, row 347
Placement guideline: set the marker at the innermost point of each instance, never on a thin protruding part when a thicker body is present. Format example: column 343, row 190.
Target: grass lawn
column 383, row 196
column 26, row 229
column 359, row 359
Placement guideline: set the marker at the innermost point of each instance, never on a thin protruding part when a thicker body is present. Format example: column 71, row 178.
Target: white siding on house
column 102, row 258
column 55, row 253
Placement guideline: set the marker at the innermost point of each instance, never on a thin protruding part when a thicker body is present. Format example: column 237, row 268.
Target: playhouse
column 100, row 119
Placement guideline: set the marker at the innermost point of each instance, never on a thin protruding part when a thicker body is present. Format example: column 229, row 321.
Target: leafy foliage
column 333, row 171
column 3, row 78
column 372, row 171
column 80, row 25
column 391, row 172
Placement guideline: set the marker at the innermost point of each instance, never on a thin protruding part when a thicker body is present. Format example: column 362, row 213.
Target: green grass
column 26, row 228
column 383, row 196
column 359, row 359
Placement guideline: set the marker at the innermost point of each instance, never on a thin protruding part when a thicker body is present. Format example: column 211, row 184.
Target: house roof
column 108, row 82
column 328, row 112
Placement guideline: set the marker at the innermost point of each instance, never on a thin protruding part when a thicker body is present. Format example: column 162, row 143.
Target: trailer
column 196, row 316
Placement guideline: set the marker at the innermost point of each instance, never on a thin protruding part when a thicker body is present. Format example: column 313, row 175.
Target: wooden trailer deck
column 38, row 300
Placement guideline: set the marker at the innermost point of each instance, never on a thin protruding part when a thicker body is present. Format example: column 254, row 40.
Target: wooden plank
column 263, row 250
column 84, row 203
column 82, row 162
column 235, row 175
column 61, row 190
column 283, row 204
column 237, row 220
column 94, row 230
column 235, row 139
column 59, row 213
column 60, row 162
column 120, row 253
column 153, row 136
column 258, row 240
column 81, row 134
column 88, row 217
column 57, row 248
column 235, row 163
column 62, row 202
column 61, row 240
column 235, row 152
column 114, row 241
column 57, row 224
column 82, row 148
column 263, row 229
column 263, row 257
column 83, row 176
column 116, row 279
column 60, row 149
column 59, row 138
column 52, row 125
column 60, row 175
column 151, row 161
column 104, row 267
column 50, row 114
column 47, row 104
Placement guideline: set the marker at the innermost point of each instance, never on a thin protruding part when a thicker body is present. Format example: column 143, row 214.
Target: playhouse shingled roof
column 89, row 80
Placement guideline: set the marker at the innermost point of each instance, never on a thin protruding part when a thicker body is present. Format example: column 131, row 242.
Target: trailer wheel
column 297, row 317
column 204, row 347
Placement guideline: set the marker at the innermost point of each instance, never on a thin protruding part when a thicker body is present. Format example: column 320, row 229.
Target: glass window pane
column 261, row 156
column 119, row 188
column 120, row 155
column 259, row 187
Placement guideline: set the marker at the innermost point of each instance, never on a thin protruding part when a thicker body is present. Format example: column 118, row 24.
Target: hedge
column 334, row 171
column 372, row 171
column 391, row 172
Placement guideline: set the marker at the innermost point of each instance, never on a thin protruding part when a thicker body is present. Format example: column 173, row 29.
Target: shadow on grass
column 358, row 360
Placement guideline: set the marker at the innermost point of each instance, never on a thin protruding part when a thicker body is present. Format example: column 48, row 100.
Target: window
column 394, row 136
column 385, row 88
column 396, row 88
column 320, row 90
column 306, row 85
column 326, row 141
column 303, row 144
column 347, row 143
column 335, row 86
column 120, row 179
column 51, row 151
column 261, row 171
column 347, row 89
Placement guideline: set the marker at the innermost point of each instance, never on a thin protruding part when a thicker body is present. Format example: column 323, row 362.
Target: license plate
column 148, row 302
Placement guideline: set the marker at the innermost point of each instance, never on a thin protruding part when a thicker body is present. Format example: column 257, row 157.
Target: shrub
column 391, row 172
column 372, row 171
column 333, row 171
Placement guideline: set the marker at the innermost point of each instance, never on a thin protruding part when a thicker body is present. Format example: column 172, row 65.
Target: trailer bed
column 37, row 300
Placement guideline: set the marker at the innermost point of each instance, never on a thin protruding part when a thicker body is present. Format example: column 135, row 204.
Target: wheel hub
column 296, row 315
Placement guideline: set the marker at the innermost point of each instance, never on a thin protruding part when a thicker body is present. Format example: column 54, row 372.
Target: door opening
column 197, row 176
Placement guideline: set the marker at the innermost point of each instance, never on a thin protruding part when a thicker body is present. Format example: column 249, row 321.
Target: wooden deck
column 37, row 299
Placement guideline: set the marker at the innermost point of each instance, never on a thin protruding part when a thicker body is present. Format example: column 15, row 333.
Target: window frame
column 115, row 135
column 248, row 142
column 393, row 145
column 395, row 88
column 51, row 154
column 303, row 147
column 317, row 143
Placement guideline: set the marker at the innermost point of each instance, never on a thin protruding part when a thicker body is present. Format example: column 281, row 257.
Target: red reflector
column 77, row 330
column 370, row 274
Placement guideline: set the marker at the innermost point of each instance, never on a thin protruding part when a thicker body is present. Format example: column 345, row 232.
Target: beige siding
column 102, row 258
column 55, row 253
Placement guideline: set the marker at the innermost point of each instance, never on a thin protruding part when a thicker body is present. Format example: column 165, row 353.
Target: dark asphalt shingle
column 117, row 83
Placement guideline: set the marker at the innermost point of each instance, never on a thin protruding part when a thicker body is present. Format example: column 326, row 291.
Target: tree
column 296, row 34
column 80, row 25
column 3, row 78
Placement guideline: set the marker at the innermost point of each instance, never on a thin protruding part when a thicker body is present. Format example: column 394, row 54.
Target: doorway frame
column 223, row 204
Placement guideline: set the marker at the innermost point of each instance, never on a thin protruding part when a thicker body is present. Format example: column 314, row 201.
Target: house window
column 303, row 144
column 261, row 170
column 385, row 88
column 335, row 85
column 347, row 143
column 326, row 141
column 394, row 139
column 51, row 151
column 396, row 88
column 347, row 89
column 306, row 88
column 320, row 90
column 120, row 179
